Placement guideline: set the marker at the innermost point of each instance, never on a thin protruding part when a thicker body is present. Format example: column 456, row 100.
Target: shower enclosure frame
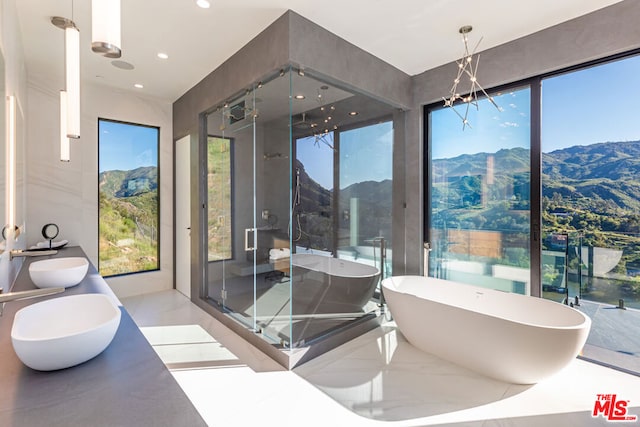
column 288, row 357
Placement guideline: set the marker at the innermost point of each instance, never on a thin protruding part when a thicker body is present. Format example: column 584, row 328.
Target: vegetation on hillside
column 219, row 198
column 590, row 193
column 128, row 221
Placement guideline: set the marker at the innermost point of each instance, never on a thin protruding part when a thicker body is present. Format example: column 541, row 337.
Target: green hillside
column 316, row 211
column 591, row 190
column 128, row 225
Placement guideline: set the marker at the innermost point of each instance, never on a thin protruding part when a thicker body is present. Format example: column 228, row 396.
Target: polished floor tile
column 375, row 379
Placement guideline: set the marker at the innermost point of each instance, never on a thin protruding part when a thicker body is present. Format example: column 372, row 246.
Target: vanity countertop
column 126, row 385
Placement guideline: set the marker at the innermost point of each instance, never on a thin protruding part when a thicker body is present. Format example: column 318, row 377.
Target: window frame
column 535, row 84
column 158, row 216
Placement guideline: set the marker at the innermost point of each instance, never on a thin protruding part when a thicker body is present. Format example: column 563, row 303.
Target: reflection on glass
column 313, row 194
column 280, row 269
column 128, row 198
column 219, row 179
column 480, row 199
column 365, row 202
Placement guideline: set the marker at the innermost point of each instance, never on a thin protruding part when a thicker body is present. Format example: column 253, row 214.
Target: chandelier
column 467, row 69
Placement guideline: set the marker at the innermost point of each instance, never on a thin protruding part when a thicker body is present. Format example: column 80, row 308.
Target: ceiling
column 412, row 35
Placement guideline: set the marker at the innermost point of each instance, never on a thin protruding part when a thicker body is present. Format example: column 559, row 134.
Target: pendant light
column 64, row 139
column 72, row 64
column 10, row 209
column 105, row 28
column 467, row 69
column 72, row 73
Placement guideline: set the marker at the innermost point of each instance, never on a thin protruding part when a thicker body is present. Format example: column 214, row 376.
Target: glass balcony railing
column 601, row 267
column 602, row 270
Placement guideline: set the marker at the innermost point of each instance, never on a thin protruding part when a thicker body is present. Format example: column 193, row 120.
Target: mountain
column 605, row 172
column 374, row 209
column 608, row 160
column 117, row 183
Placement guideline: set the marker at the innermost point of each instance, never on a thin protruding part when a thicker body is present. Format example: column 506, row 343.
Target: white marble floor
column 376, row 379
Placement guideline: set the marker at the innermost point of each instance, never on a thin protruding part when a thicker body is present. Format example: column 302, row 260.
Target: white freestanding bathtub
column 509, row 337
column 328, row 285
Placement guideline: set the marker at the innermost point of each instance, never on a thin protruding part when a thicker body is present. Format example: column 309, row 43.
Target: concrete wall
column 336, row 60
column 268, row 51
column 597, row 35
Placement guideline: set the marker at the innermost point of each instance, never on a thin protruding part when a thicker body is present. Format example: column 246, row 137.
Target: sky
column 366, row 154
column 490, row 128
column 597, row 104
column 124, row 146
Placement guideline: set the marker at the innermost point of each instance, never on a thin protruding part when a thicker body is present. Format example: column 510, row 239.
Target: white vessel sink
column 65, row 331
column 58, row 272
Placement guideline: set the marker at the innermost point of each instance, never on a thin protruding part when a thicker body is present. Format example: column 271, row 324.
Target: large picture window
column 479, row 193
column 128, row 198
column 567, row 171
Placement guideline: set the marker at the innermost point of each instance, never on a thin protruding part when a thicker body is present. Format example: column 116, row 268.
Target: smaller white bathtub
column 327, row 285
column 510, row 337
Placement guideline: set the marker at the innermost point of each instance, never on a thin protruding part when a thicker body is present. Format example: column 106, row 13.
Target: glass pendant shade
column 105, row 28
column 64, row 139
column 10, row 207
column 72, row 63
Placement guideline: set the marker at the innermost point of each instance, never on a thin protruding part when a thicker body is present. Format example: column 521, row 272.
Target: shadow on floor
column 387, row 379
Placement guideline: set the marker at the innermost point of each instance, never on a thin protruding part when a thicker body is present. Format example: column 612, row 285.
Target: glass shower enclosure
column 297, row 176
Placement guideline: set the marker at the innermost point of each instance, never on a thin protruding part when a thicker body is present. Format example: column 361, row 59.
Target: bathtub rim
column 586, row 320
column 353, row 276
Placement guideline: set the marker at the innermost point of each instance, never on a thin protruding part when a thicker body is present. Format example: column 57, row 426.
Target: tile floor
column 376, row 379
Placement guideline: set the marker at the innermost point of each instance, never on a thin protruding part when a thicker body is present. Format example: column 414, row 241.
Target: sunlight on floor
column 188, row 347
column 375, row 379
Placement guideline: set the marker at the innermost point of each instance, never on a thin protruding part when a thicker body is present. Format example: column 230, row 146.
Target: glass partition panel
column 273, row 196
column 230, row 186
column 283, row 201
column 480, row 199
column 343, row 156
column 248, row 197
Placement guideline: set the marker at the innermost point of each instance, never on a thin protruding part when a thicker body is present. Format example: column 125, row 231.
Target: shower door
column 248, row 197
column 231, row 208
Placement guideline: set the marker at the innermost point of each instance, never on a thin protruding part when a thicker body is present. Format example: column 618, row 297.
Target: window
column 584, row 172
column 219, row 189
column 590, row 202
column 479, row 193
column 343, row 193
column 129, row 202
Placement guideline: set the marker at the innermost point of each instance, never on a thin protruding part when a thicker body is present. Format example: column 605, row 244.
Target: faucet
column 19, row 295
column 25, row 253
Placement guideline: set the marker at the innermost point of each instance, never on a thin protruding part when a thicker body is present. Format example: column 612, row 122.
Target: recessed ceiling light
column 203, row 4
column 162, row 55
column 138, row 85
column 353, row 113
column 299, row 96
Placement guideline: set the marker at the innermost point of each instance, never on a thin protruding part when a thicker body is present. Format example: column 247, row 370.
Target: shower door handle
column 246, row 239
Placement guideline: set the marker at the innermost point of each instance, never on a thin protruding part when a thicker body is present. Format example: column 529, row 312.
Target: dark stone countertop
column 126, row 385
